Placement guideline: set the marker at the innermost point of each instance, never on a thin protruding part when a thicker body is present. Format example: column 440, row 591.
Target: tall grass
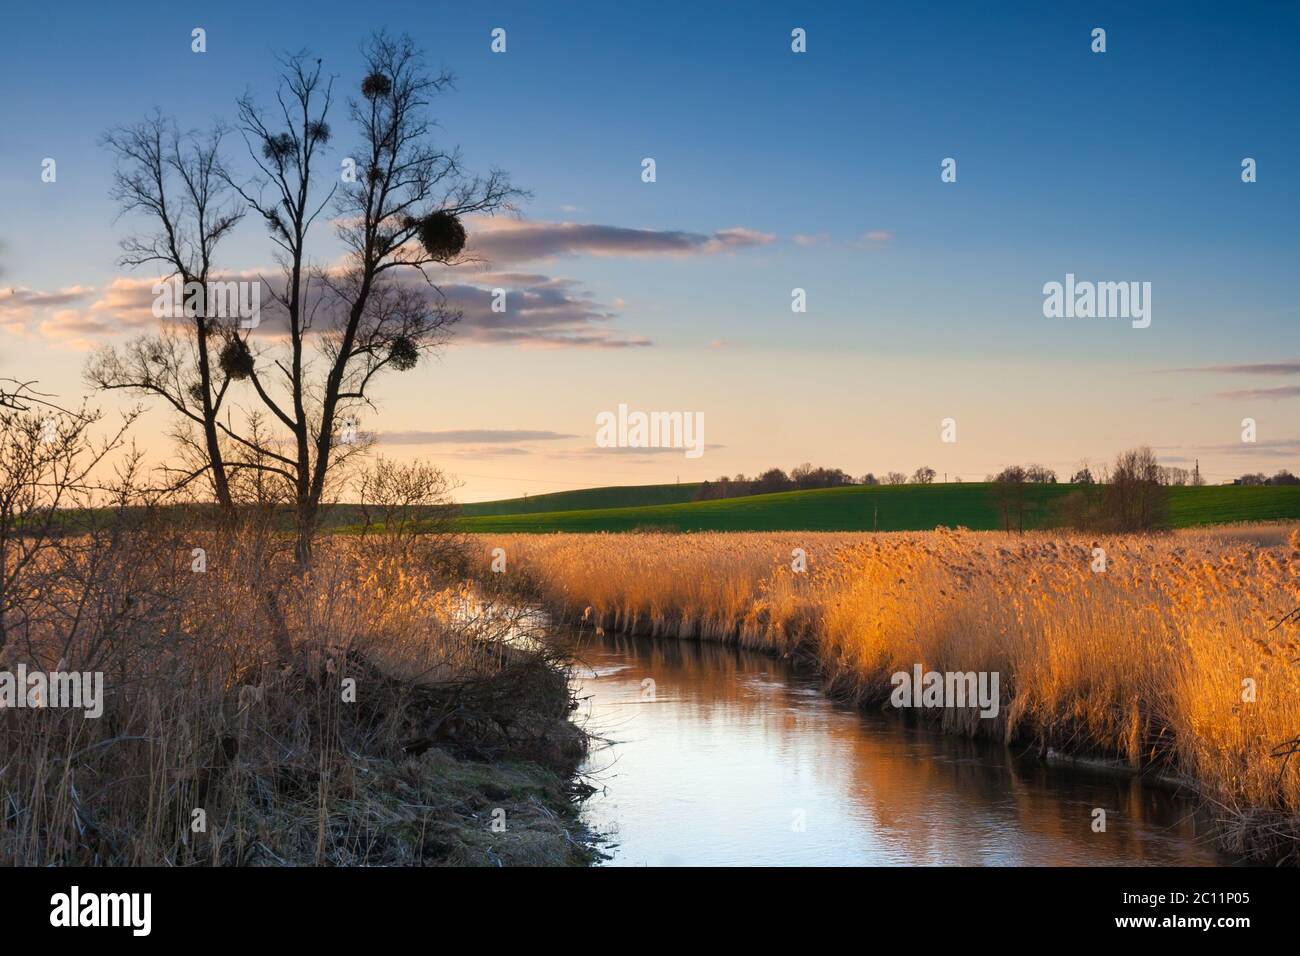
column 226, row 737
column 1152, row 661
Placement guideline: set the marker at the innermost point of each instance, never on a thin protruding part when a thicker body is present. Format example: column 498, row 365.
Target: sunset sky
column 775, row 171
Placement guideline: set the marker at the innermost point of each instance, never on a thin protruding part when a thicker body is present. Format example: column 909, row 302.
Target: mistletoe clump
column 278, row 148
column 442, row 235
column 376, row 85
column 403, row 354
column 236, row 361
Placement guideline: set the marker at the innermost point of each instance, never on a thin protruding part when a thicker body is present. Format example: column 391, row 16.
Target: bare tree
column 47, row 457
column 1009, row 495
column 1172, row 476
column 20, row 396
column 284, row 146
column 408, row 506
column 174, row 180
column 400, row 213
column 1134, row 499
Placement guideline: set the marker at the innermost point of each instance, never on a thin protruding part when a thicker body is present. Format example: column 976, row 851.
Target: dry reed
column 1172, row 659
column 226, row 737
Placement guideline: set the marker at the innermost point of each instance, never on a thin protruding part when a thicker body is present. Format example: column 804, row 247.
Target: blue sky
column 1116, row 166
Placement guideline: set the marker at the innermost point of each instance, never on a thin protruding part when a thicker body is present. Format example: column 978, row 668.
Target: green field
column 855, row 508
column 624, row 496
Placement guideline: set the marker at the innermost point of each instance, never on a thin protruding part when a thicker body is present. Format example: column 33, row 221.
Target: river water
column 729, row 757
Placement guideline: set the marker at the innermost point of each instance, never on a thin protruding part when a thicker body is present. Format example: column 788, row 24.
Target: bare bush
column 1135, row 499
column 408, row 509
column 216, row 748
column 47, row 457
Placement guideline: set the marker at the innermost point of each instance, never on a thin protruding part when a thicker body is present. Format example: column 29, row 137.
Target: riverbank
column 480, row 795
column 371, row 711
column 1169, row 655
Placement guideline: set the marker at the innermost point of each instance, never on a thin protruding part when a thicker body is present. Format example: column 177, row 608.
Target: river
column 730, row 757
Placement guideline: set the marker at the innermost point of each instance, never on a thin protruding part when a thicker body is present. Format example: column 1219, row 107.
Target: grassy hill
column 1222, row 504
column 855, row 508
column 624, row 496
column 863, row 508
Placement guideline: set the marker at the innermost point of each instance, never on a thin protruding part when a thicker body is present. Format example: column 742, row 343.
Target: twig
column 1285, row 618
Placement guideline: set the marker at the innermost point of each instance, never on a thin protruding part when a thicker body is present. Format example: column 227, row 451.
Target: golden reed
column 1172, row 658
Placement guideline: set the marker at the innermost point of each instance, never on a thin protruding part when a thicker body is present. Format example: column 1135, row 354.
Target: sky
column 774, row 171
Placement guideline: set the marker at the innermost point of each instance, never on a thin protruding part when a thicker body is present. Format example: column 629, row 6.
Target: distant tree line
column 800, row 478
column 1034, row 475
column 1283, row 477
column 1128, row 494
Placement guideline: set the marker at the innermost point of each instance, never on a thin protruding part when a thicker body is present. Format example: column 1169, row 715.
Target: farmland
column 972, row 505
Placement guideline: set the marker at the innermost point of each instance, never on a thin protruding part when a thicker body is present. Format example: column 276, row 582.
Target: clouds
column 508, row 241
column 1261, row 368
column 476, row 452
column 544, row 444
column 540, row 310
column 1271, row 393
column 474, row 443
column 1268, row 394
column 21, row 308
column 29, row 299
column 812, row 239
column 1278, row 447
column 871, row 239
column 641, row 454
column 467, row 435
column 124, row 305
column 91, row 316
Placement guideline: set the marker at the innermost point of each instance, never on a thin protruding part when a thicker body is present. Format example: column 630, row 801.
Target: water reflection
column 732, row 757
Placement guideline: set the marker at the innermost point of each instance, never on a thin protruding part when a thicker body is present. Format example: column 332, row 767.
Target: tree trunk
column 306, row 532
column 219, row 483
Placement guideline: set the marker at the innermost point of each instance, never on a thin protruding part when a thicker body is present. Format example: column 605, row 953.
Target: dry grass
column 1144, row 662
column 225, row 694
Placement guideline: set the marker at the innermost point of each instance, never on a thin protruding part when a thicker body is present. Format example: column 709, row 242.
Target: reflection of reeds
column 903, row 779
column 1152, row 660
